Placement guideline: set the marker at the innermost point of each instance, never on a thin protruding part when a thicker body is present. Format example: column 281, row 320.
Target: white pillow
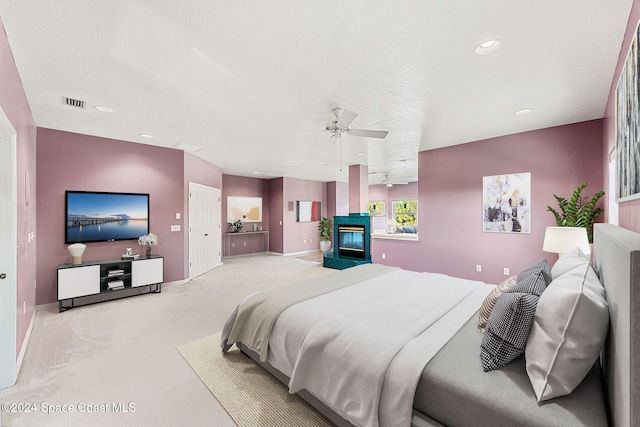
column 568, row 332
column 568, row 262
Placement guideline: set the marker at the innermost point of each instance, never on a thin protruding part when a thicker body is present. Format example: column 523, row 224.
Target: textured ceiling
column 253, row 82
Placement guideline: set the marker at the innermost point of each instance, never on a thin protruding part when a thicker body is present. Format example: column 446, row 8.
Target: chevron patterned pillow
column 490, row 301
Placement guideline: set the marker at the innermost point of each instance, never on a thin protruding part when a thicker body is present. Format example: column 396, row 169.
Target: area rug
column 251, row 396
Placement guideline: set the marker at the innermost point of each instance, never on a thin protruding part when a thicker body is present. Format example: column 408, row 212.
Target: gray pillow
column 533, row 283
column 569, row 330
column 507, row 330
column 568, row 262
column 541, row 265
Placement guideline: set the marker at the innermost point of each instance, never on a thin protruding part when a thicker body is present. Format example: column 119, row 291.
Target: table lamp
column 561, row 240
column 76, row 250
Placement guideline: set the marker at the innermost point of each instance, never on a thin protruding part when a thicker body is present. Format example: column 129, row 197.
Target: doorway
column 8, row 253
column 205, row 232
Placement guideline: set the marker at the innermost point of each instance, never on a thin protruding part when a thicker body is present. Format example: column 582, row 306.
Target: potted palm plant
column 325, row 227
column 579, row 211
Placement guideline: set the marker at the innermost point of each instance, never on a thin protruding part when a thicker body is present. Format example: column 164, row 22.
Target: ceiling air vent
column 73, row 102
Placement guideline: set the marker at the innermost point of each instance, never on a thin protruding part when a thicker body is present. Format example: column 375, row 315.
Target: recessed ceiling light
column 321, row 162
column 524, row 112
column 487, row 47
column 256, row 173
column 402, row 160
column 362, row 154
column 145, row 135
column 104, row 108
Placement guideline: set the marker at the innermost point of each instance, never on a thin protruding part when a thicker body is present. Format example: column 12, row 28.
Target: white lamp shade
column 561, row 240
column 76, row 250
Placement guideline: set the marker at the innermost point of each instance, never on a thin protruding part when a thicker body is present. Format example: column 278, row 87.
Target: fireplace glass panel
column 351, row 241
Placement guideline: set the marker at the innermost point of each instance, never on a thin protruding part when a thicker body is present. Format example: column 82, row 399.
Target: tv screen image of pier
column 96, row 217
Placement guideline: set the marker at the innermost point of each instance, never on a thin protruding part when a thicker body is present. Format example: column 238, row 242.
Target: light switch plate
column 175, row 228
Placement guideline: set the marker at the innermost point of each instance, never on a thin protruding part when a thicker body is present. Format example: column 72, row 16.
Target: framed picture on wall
column 627, row 127
column 506, row 203
column 308, row 211
column 246, row 209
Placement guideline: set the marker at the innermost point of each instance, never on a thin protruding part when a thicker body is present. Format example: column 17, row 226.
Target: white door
column 205, row 232
column 8, row 251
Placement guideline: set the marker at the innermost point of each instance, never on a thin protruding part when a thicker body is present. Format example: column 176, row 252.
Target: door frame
column 8, row 252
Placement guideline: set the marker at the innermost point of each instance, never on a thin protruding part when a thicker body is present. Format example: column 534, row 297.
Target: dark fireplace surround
column 351, row 241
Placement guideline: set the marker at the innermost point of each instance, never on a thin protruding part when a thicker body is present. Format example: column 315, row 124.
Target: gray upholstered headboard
column 616, row 258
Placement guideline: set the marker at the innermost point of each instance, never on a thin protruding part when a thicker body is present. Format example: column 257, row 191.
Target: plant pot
column 325, row 245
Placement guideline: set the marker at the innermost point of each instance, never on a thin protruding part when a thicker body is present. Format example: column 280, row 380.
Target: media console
column 108, row 277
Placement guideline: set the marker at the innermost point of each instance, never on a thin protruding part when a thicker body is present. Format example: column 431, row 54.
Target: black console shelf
column 105, row 280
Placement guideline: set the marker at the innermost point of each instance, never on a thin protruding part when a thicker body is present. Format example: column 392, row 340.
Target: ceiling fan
column 388, row 183
column 343, row 119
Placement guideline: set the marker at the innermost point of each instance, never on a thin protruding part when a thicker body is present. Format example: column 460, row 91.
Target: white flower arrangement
column 236, row 226
column 148, row 240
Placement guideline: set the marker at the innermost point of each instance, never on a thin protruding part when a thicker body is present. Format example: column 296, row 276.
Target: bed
column 437, row 378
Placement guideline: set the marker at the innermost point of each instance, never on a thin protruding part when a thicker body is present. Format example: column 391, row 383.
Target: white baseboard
column 178, row 282
column 27, row 336
column 249, row 254
column 312, row 251
column 47, row 306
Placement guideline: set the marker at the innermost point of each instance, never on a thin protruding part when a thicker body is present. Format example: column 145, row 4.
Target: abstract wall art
column 628, row 127
column 246, row 209
column 506, row 203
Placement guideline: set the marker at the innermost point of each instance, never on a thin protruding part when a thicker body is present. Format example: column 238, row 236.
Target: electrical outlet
column 305, row 240
column 478, row 268
column 244, row 243
column 233, row 245
column 506, row 271
column 384, row 256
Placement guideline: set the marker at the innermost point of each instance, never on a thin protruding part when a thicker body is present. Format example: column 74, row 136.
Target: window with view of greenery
column 405, row 212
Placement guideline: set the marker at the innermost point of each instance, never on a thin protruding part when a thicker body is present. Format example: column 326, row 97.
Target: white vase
column 325, row 245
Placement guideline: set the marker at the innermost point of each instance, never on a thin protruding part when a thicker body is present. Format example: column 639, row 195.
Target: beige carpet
column 249, row 394
column 125, row 350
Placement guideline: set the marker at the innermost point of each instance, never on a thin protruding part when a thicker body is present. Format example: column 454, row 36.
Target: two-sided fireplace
column 352, row 240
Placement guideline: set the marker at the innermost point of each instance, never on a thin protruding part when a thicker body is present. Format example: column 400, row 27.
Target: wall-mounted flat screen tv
column 102, row 217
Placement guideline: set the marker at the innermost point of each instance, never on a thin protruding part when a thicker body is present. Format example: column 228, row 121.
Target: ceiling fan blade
column 346, row 118
column 368, row 133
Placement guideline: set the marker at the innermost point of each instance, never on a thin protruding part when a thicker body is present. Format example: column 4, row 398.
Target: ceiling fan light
column 487, row 47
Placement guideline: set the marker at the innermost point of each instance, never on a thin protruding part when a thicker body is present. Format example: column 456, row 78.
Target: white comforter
column 361, row 349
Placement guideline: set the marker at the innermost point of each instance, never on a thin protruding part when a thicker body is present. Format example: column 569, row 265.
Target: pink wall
column 295, row 233
column 450, row 200
column 68, row 161
column 245, row 187
column 628, row 212
column 276, row 215
column 14, row 104
column 337, row 198
column 358, row 189
column 201, row 172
